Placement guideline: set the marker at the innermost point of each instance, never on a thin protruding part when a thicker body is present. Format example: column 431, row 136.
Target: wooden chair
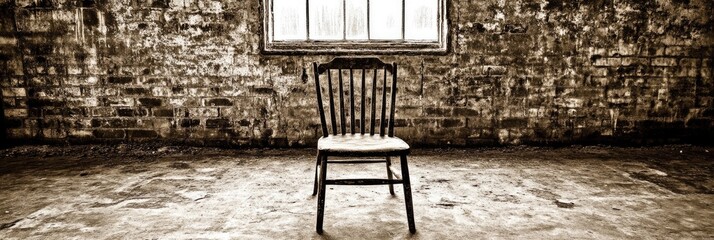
column 363, row 143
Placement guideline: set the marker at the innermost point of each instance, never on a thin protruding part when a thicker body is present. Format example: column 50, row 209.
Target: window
column 357, row 26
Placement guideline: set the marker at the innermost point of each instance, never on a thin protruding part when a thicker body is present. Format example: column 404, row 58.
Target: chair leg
column 321, row 194
column 317, row 168
column 389, row 175
column 407, row 193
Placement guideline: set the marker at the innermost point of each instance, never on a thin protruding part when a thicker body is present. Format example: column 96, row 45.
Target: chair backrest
column 368, row 70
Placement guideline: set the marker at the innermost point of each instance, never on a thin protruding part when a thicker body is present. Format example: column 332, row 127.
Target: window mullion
column 307, row 19
column 369, row 35
column 438, row 19
column 403, row 18
column 272, row 22
column 344, row 20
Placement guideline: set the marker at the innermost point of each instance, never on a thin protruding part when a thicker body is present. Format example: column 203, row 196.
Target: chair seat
column 361, row 143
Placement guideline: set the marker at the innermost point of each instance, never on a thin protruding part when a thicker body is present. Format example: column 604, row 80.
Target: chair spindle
column 332, row 102
column 320, row 108
column 382, row 123
column 342, row 104
column 374, row 103
column 361, row 106
column 394, row 99
column 352, row 103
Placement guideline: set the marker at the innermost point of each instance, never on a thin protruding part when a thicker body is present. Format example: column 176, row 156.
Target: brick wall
column 517, row 72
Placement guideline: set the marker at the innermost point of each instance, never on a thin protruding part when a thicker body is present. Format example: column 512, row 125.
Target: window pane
column 356, row 12
column 289, row 20
column 385, row 19
column 326, row 19
column 421, row 20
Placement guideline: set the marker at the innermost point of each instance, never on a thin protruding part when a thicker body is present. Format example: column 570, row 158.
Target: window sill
column 354, row 48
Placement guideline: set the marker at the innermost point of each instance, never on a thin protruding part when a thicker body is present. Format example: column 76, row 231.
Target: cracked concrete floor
column 91, row 192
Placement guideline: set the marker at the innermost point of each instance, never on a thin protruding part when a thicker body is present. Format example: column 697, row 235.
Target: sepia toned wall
column 517, row 72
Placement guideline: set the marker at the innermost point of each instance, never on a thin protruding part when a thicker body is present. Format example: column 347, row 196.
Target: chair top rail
column 354, row 63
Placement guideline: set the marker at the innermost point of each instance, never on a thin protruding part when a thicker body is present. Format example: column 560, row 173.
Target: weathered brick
column 132, row 112
column 244, row 122
column 103, row 112
column 120, row 80
column 14, row 92
column 150, row 102
column 634, row 61
column 20, row 133
column 218, row 102
column 133, row 133
column 108, row 133
column 161, row 91
column 80, row 133
column 150, row 81
column 160, row 112
column 203, row 112
column 465, row 112
column 136, row 91
column 113, row 123
column 675, row 51
column 514, row 123
column 689, row 62
column 434, row 111
column 607, row 61
column 187, row 123
column 452, row 123
column 15, row 113
column 494, row 70
column 263, row 90
column 664, row 62
column 91, row 80
column 118, row 101
column 53, row 133
column 217, row 123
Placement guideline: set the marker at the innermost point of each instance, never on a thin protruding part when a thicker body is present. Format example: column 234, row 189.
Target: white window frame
column 354, row 46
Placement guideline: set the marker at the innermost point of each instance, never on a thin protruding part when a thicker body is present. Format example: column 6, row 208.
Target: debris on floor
column 564, row 204
column 10, row 224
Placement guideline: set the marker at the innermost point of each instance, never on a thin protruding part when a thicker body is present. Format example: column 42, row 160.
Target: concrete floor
column 134, row 192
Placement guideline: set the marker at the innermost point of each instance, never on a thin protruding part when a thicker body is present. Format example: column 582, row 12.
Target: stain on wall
column 517, row 72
